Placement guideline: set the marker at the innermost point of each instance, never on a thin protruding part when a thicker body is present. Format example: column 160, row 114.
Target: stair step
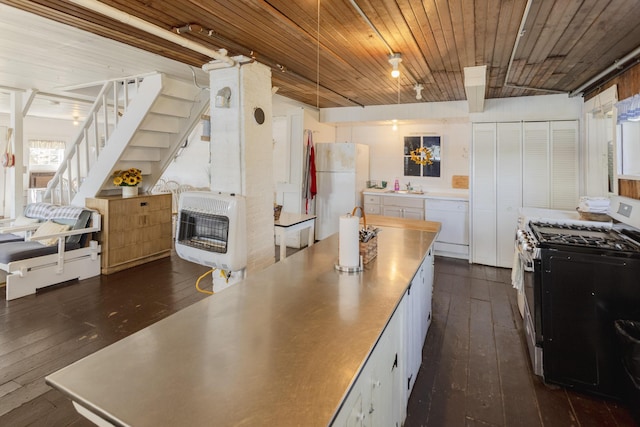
column 160, row 123
column 146, row 138
column 170, row 106
column 135, row 154
column 145, row 167
column 179, row 89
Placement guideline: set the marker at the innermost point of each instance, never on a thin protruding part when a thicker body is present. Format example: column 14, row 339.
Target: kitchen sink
column 405, row 191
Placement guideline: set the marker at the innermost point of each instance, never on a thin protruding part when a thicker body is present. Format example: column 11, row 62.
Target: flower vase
column 129, row 191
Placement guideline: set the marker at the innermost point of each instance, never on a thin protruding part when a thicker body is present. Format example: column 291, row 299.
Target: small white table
column 290, row 222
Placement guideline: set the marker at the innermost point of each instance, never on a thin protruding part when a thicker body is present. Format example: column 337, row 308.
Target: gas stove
column 584, row 238
column 584, row 277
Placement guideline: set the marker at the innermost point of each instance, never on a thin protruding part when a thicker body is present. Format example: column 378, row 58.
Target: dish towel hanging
column 309, row 188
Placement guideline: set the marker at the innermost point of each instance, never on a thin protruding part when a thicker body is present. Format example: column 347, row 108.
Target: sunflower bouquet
column 127, row 178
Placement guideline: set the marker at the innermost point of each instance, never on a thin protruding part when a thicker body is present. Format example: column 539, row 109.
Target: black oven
column 583, row 279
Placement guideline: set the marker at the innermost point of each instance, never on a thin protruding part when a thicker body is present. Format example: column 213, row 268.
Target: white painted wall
column 193, row 164
column 386, row 148
column 451, row 120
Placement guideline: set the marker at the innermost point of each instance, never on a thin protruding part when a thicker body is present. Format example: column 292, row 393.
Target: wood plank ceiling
column 563, row 43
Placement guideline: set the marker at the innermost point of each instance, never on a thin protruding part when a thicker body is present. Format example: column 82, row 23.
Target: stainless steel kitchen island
column 284, row 347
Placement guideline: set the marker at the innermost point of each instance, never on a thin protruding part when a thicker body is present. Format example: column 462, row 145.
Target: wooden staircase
column 136, row 122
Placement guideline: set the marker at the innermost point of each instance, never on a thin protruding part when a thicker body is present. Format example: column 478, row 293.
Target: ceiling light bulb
column 395, row 59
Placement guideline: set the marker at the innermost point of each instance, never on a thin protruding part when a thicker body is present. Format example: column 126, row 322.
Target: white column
column 15, row 200
column 241, row 151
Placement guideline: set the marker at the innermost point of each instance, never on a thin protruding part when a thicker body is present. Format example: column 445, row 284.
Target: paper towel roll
column 349, row 248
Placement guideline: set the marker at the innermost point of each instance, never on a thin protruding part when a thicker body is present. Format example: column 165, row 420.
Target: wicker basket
column 277, row 209
column 369, row 249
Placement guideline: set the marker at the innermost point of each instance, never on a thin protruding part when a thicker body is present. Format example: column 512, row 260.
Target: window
column 45, row 154
column 418, row 145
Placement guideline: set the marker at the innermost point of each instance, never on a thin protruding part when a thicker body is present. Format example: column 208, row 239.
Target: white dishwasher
column 453, row 240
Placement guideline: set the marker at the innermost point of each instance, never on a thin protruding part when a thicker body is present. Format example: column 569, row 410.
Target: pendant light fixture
column 395, row 59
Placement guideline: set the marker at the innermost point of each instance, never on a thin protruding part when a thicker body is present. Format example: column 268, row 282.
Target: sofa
column 59, row 247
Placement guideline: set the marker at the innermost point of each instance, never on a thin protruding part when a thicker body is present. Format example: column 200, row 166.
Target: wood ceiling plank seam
column 602, row 58
column 509, row 24
column 433, row 57
column 582, row 72
column 457, row 22
column 480, row 30
column 442, row 81
column 559, row 19
column 423, row 43
column 491, row 35
column 468, row 25
column 583, row 21
column 376, row 58
column 451, row 48
column 606, row 46
column 534, row 24
column 438, row 33
column 456, row 78
column 417, row 17
column 541, row 78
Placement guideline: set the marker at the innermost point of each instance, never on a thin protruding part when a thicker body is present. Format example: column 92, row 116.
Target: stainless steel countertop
column 280, row 348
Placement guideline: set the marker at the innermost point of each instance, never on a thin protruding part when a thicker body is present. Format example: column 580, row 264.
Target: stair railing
column 111, row 103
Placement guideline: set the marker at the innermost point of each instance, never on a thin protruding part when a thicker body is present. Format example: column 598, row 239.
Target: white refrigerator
column 342, row 172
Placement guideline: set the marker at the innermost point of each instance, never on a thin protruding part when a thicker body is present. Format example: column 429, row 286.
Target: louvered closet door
column 564, row 165
column 483, row 198
column 509, row 189
column 536, row 176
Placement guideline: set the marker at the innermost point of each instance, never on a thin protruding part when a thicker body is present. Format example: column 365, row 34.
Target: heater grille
column 208, row 232
column 212, row 229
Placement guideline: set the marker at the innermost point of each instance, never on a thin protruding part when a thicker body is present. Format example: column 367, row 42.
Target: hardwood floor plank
column 520, row 404
column 30, row 413
column 484, row 397
column 479, row 289
column 591, row 411
column 448, row 403
column 500, row 305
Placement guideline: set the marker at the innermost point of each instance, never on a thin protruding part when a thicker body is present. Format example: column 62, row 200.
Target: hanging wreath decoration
column 422, row 156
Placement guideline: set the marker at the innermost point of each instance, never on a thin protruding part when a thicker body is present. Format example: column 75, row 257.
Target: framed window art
column 422, row 155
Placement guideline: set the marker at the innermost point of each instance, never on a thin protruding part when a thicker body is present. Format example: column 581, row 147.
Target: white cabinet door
column 392, row 211
column 483, row 201
column 413, row 213
column 536, row 165
column 564, row 165
column 508, row 189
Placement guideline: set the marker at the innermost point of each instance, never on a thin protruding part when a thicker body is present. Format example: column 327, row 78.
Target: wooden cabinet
column 135, row 230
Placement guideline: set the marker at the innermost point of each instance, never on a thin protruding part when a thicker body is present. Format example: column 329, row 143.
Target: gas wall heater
column 212, row 229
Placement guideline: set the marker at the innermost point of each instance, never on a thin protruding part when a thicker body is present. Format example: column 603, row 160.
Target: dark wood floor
column 475, row 369
column 474, row 372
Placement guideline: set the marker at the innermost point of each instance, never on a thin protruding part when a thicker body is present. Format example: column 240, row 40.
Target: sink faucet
column 408, row 185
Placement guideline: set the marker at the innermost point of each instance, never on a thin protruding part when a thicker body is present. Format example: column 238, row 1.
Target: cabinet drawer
column 405, row 202
column 372, row 209
column 369, row 199
column 447, row 205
